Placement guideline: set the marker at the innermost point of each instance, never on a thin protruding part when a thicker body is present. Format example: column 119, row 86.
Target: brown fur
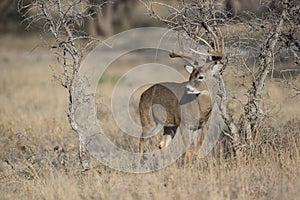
column 168, row 104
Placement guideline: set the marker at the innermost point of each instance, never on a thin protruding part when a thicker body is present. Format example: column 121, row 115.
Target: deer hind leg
column 169, row 133
column 149, row 127
column 147, row 132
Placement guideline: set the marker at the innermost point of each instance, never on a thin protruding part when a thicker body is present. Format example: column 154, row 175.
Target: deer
column 169, row 104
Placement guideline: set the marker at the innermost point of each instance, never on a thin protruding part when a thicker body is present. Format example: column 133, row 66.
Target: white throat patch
column 192, row 90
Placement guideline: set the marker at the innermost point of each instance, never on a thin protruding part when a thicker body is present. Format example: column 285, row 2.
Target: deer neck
column 212, row 82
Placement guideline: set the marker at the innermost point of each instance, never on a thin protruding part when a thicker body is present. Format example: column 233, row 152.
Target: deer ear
column 189, row 68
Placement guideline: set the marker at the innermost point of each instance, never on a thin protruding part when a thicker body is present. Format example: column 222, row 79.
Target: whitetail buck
column 189, row 102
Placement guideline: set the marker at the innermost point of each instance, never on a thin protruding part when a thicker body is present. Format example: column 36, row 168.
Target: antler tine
column 218, row 51
column 216, row 43
column 195, row 36
column 179, row 43
column 181, row 50
column 201, row 53
column 183, row 55
column 205, row 42
column 221, row 50
column 222, row 42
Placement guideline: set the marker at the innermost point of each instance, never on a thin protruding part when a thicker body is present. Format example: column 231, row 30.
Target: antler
column 216, row 51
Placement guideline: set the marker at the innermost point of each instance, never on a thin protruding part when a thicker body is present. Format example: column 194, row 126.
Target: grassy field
column 38, row 150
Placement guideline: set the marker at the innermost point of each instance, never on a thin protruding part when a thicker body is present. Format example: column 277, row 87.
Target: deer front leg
column 169, row 133
column 165, row 141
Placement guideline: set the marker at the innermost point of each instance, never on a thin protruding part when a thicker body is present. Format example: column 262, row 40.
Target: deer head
column 214, row 55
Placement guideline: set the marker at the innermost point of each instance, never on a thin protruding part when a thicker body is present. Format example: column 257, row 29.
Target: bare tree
column 64, row 21
column 273, row 32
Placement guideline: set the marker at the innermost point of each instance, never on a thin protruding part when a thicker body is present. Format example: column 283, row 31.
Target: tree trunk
column 252, row 109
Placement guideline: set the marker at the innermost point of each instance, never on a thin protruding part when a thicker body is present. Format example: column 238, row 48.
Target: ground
column 38, row 150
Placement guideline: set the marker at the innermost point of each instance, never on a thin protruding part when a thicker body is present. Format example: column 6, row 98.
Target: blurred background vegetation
column 118, row 15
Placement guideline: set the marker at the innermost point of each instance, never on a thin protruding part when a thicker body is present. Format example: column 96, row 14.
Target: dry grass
column 38, row 151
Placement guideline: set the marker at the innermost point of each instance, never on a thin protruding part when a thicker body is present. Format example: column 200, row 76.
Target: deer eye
column 201, row 77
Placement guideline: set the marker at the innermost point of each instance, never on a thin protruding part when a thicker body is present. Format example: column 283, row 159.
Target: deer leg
column 141, row 145
column 147, row 131
column 166, row 139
